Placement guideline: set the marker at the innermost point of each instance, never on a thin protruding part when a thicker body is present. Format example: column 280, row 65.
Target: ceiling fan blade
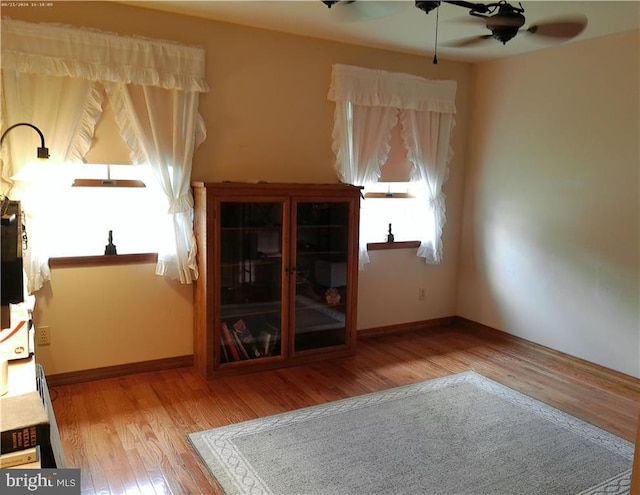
column 562, row 29
column 467, row 19
column 362, row 10
column 468, row 42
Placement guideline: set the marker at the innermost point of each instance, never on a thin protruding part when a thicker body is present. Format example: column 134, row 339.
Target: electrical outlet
column 421, row 294
column 43, row 336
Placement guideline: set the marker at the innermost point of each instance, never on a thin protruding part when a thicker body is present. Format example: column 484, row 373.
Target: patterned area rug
column 461, row 434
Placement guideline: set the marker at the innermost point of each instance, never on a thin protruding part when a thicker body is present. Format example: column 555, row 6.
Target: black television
column 11, row 269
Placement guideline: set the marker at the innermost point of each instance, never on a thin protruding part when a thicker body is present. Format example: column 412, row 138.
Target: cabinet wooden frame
column 207, row 296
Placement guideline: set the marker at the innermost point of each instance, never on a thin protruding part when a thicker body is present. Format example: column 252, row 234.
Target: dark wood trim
column 119, row 370
column 106, row 260
column 446, row 321
column 406, row 327
column 463, row 322
column 244, row 189
column 379, row 246
column 301, row 360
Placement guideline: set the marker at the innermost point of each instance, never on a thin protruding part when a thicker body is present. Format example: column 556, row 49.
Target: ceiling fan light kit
column 502, row 19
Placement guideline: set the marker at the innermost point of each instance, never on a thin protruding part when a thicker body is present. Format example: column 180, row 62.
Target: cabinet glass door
column 251, row 280
column 321, row 249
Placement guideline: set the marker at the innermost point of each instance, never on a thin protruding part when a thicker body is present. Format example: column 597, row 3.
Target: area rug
column 460, row 434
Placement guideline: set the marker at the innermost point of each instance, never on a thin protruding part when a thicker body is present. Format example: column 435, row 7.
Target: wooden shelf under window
column 106, row 260
column 388, row 195
column 379, row 246
column 108, row 183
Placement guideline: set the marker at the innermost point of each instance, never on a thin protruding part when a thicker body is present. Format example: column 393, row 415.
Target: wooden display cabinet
column 278, row 275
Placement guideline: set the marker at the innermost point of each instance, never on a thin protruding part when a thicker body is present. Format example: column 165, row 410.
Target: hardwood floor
column 129, row 434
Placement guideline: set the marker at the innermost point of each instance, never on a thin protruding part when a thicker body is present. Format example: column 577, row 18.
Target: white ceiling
column 399, row 25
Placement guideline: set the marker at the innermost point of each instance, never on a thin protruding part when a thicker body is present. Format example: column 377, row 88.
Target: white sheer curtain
column 427, row 138
column 65, row 109
column 423, row 105
column 163, row 127
column 151, row 73
column 362, row 137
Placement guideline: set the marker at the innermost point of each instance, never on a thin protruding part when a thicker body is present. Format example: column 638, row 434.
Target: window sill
column 379, row 246
column 106, row 260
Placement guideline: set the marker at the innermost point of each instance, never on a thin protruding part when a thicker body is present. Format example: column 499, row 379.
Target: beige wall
column 105, row 316
column 267, row 118
column 550, row 240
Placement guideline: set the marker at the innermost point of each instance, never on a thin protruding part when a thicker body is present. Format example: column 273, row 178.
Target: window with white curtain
column 79, row 222
column 58, row 77
column 393, row 198
column 370, row 106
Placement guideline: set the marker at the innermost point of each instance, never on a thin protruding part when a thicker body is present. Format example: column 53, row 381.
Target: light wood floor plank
column 129, row 434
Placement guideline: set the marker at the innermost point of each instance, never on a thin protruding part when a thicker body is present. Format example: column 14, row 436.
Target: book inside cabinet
column 278, row 274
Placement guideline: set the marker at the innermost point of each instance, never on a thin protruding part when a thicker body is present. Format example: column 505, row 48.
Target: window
column 393, row 199
column 373, row 106
column 80, row 219
column 55, row 75
column 77, row 220
column 395, row 204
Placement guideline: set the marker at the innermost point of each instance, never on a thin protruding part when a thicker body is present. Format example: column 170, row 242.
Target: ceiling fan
column 503, row 20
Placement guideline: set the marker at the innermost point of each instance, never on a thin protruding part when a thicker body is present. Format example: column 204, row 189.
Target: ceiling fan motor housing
column 427, row 6
column 505, row 24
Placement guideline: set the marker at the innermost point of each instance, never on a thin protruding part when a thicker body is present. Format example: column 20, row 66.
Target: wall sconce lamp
column 43, row 151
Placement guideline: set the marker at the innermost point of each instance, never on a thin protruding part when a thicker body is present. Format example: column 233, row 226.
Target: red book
column 246, row 339
column 229, row 342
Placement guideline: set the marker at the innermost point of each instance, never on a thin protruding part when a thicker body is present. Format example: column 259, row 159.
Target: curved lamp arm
column 43, row 151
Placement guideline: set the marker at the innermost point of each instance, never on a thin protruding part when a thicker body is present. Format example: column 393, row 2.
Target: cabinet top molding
column 273, row 185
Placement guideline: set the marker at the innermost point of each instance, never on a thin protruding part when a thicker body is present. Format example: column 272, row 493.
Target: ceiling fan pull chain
column 435, row 49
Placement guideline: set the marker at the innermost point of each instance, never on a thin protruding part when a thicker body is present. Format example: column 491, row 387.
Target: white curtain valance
column 53, row 75
column 368, row 87
column 59, row 50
